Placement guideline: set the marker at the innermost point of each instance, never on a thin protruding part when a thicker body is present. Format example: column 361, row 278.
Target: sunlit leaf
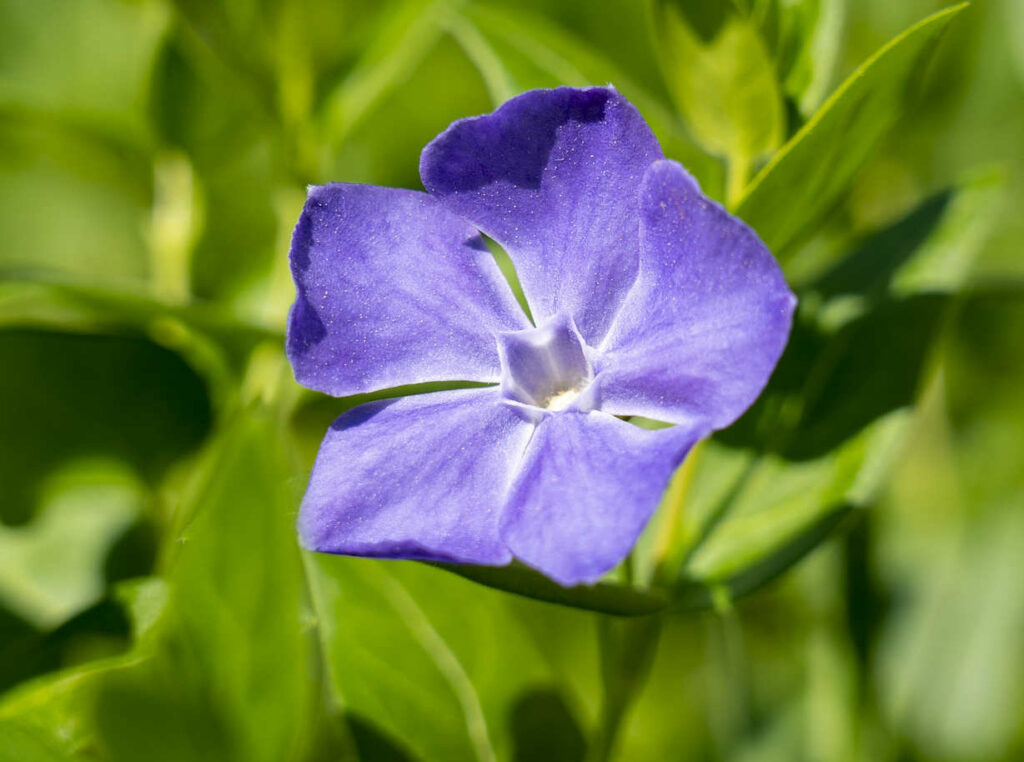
column 537, row 53
column 782, row 510
column 810, row 173
column 408, row 34
column 20, row 744
column 226, row 670
column 87, row 63
column 54, row 567
column 722, row 79
column 422, row 654
column 808, row 44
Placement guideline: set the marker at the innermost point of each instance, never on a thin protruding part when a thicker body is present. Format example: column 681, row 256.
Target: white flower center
column 544, row 367
column 562, row 400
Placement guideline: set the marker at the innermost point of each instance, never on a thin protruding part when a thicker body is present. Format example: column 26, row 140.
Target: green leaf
column 500, row 84
column 214, row 341
column 809, row 174
column 88, row 63
column 77, row 396
column 21, row 744
column 807, row 44
column 723, row 82
column 213, row 200
column 100, row 190
column 423, row 656
column 946, row 260
column 53, row 567
column 931, row 249
column 604, row 597
column 402, row 42
column 226, row 670
column 220, row 670
column 537, row 53
column 56, row 711
column 781, row 510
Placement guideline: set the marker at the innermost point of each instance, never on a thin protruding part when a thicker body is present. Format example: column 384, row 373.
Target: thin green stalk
column 729, row 692
column 627, row 648
column 738, row 176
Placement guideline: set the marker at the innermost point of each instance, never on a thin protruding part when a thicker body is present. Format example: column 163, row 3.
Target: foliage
column 154, row 603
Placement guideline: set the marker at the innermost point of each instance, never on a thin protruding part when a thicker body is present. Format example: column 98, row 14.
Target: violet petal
column 587, row 486
column 421, row 477
column 708, row 318
column 393, row 289
column 552, row 176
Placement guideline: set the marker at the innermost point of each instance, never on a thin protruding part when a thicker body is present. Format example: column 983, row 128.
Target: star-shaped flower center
column 545, row 367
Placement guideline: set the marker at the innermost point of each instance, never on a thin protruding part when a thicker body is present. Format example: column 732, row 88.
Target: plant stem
column 737, row 177
column 627, row 648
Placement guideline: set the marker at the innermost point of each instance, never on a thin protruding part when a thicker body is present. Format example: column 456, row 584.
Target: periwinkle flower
column 649, row 300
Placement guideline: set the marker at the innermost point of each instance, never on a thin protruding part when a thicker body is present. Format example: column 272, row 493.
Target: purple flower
column 649, row 300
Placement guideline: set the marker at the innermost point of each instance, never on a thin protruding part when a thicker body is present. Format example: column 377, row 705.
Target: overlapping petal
column 708, row 318
column 393, row 289
column 552, row 175
column 422, row 477
column 588, row 484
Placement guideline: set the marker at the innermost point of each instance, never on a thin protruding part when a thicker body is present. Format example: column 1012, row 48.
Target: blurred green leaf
column 946, row 260
column 604, row 597
column 86, row 62
column 870, row 366
column 499, row 81
column 56, row 711
column 403, row 40
column 931, row 249
column 212, row 340
column 385, row 146
column 722, row 79
column 19, row 744
column 70, row 206
column 778, row 511
column 226, row 164
column 54, row 567
column 423, row 655
column 225, row 670
column 805, row 39
column 867, row 272
column 810, row 173
column 537, row 53
column 82, row 396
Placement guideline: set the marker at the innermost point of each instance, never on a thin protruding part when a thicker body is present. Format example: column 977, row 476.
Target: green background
column 839, row 576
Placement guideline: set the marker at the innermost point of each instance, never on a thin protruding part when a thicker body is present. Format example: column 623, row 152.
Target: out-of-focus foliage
column 837, row 576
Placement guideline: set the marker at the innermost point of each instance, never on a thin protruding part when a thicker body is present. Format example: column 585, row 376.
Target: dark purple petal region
column 552, row 176
column 393, row 289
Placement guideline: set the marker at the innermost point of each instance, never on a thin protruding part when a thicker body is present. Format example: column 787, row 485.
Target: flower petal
column 552, row 175
column 708, row 318
column 393, row 289
column 421, row 477
column 588, row 484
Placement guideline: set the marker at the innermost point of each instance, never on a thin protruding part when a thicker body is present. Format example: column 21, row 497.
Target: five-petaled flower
column 649, row 300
